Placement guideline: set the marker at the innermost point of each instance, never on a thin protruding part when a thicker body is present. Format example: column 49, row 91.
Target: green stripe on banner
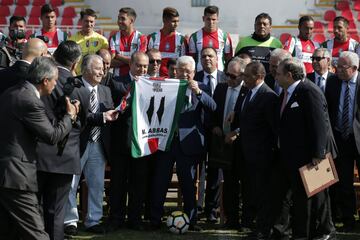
column 180, row 102
column 135, row 148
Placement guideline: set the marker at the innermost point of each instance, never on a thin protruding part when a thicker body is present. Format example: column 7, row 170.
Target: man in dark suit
column 210, row 76
column 304, row 138
column 18, row 72
column 186, row 149
column 94, row 146
column 24, row 116
column 342, row 96
column 276, row 56
column 228, row 98
column 321, row 62
column 57, row 163
column 128, row 176
column 257, row 129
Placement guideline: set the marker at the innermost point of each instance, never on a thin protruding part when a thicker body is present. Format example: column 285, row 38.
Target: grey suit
column 23, row 114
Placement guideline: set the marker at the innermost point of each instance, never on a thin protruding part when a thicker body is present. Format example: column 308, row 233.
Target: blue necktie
column 345, row 121
column 247, row 100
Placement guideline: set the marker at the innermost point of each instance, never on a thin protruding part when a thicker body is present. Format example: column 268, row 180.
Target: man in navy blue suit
column 186, row 149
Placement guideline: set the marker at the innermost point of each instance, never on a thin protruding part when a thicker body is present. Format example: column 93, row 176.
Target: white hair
column 280, row 54
column 353, row 57
column 324, row 51
column 184, row 60
column 87, row 61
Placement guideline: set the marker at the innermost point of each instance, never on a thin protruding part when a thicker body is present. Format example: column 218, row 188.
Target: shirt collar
column 63, row 68
column 324, row 76
column 34, row 89
column 238, row 87
column 256, row 88
column 22, row 60
column 88, row 85
column 354, row 78
column 213, row 74
column 292, row 87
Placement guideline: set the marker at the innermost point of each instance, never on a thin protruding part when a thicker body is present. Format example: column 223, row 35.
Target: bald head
column 34, row 47
column 106, row 57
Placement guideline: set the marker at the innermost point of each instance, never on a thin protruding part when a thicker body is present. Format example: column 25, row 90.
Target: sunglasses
column 232, row 76
column 152, row 61
column 317, row 58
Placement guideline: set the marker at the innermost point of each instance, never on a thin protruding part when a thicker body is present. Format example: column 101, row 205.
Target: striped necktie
column 345, row 121
column 94, row 107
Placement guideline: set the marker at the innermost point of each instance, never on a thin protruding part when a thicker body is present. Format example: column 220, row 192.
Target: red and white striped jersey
column 219, row 40
column 336, row 47
column 125, row 46
column 303, row 50
column 173, row 45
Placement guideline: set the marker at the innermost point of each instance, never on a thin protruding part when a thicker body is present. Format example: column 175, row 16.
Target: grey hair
column 324, row 51
column 280, row 54
column 87, row 61
column 184, row 60
column 295, row 67
column 41, row 68
column 353, row 57
column 238, row 61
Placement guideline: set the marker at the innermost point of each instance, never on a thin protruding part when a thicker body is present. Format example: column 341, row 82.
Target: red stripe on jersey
column 53, row 38
column 210, row 39
column 167, row 44
column 340, row 47
column 307, row 46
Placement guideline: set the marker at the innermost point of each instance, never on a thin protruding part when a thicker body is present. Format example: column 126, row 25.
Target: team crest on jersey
column 308, row 48
column 340, row 50
column 211, row 43
column 134, row 46
column 167, row 46
column 95, row 43
column 87, row 43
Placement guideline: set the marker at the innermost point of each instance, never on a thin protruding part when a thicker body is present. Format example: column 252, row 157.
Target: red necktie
column 283, row 104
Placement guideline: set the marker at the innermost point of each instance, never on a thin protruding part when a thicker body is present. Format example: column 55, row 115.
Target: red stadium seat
column 357, row 5
column 329, row 15
column 22, row 2
column 20, row 11
column 352, row 27
column 67, row 21
column 56, row 3
column 320, row 38
column 3, row 20
column 28, row 33
column 4, row 11
column 355, row 37
column 330, row 27
column 38, row 2
column 69, row 12
column 7, row 2
column 318, row 27
column 284, row 37
column 35, row 11
column 33, row 21
column 348, row 15
column 343, row 5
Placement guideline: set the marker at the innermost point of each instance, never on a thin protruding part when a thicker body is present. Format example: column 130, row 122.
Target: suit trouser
column 128, row 178
column 19, row 216
column 53, row 193
column 93, row 166
column 231, row 196
column 212, row 193
column 343, row 192
column 186, row 172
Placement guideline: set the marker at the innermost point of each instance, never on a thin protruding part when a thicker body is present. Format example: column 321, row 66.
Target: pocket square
column 294, row 105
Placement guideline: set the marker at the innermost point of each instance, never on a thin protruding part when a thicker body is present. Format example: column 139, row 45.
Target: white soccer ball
column 178, row 222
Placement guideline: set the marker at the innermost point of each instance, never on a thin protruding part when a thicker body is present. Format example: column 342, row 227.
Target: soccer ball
column 178, row 222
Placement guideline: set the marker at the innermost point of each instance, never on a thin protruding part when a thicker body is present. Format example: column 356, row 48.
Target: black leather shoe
column 153, row 227
column 136, row 227
column 331, row 236
column 230, row 225
column 112, row 226
column 70, row 230
column 98, row 229
column 211, row 218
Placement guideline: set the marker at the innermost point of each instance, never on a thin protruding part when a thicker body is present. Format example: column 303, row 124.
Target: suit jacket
column 217, row 117
column 121, row 128
column 13, row 75
column 96, row 119
column 332, row 94
column 304, row 126
column 258, row 127
column 24, row 116
column 270, row 81
column 191, row 126
column 69, row 161
column 199, row 76
column 311, row 77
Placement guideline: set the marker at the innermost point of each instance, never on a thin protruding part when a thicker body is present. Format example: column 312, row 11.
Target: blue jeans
column 93, row 165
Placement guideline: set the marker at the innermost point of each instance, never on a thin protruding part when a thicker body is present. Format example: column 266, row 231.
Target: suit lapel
column 241, row 97
column 293, row 98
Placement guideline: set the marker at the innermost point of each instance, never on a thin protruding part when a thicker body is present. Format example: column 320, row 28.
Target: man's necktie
column 345, row 122
column 209, row 77
column 229, row 109
column 320, row 83
column 94, row 107
column 247, row 100
column 283, row 104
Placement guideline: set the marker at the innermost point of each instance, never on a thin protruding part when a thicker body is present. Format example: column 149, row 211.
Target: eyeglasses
column 232, row 76
column 317, row 58
column 345, row 67
column 152, row 61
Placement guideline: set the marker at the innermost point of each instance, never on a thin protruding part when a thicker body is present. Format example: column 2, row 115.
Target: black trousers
column 128, row 177
column 53, row 194
column 19, row 216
